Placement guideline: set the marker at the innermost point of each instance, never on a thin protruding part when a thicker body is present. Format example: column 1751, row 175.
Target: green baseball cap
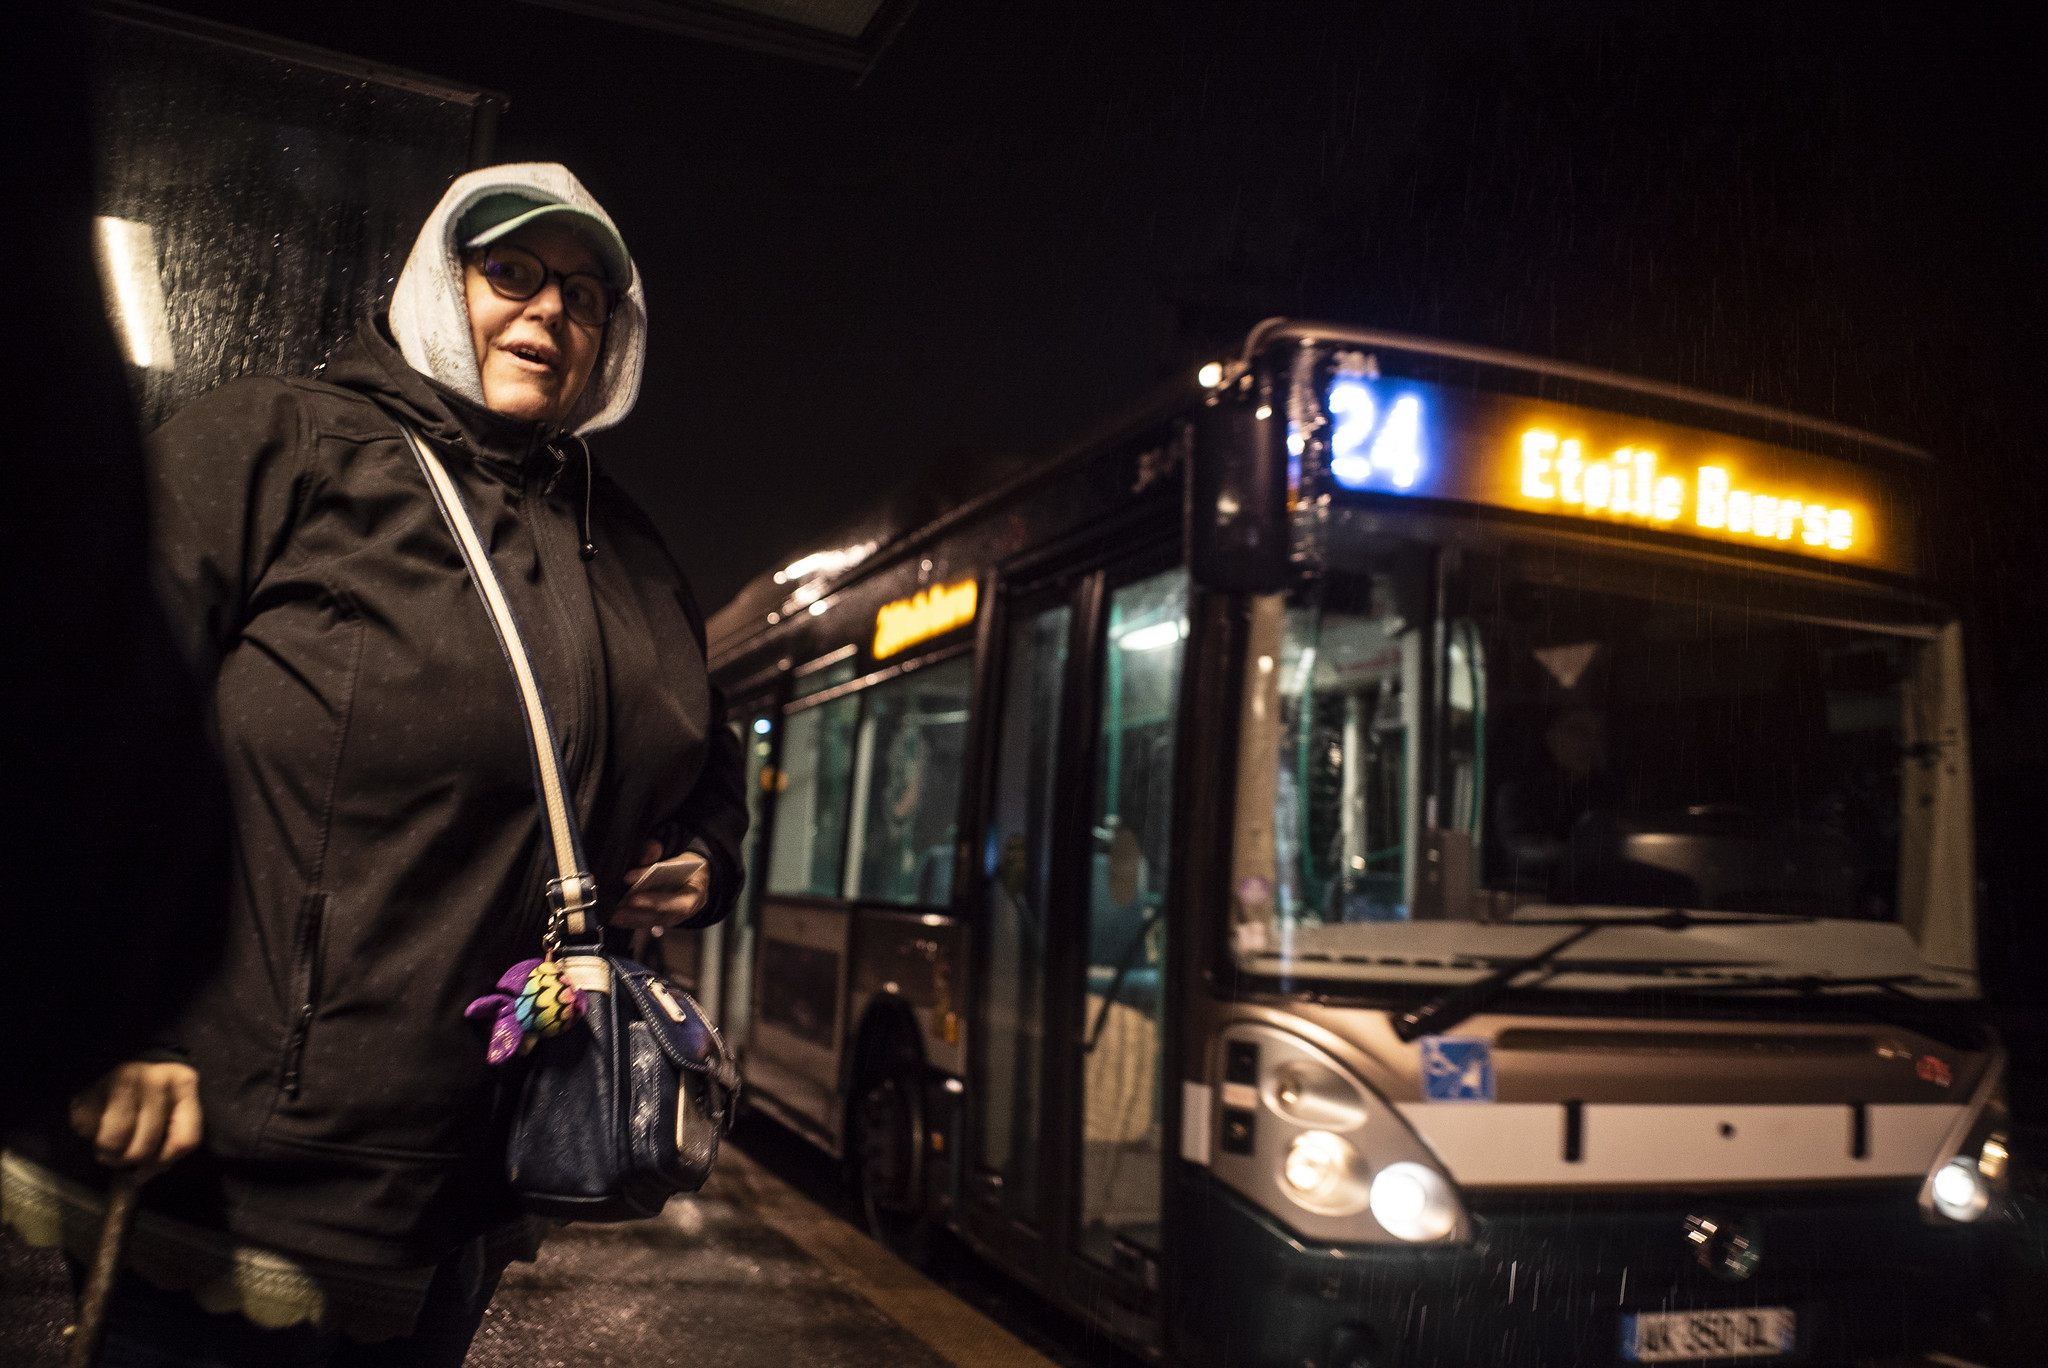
column 496, row 216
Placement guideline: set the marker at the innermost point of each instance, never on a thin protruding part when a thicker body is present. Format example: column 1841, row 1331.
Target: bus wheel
column 890, row 1164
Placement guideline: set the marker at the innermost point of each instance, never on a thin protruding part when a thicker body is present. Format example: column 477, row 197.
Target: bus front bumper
column 1549, row 1283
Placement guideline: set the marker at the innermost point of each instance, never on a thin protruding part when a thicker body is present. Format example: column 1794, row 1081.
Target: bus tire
column 889, row 1161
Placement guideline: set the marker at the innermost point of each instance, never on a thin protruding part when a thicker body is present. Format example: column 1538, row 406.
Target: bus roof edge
column 1275, row 329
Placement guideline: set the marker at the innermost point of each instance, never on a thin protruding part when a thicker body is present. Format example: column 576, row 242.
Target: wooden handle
column 106, row 1266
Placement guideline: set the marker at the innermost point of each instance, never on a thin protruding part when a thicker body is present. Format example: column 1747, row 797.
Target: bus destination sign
column 924, row 615
column 1406, row 437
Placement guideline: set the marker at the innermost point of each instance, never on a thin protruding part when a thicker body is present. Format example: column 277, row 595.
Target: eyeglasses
column 517, row 274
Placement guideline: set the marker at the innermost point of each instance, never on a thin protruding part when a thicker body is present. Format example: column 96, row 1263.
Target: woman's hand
column 653, row 911
column 141, row 1116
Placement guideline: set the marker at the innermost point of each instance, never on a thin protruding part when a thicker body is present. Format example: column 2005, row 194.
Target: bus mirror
column 1238, row 533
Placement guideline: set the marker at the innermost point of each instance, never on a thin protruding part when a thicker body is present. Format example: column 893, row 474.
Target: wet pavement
column 748, row 1273
column 711, row 1283
column 763, row 1270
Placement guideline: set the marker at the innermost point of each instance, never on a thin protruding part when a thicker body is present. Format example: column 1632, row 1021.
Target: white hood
column 430, row 308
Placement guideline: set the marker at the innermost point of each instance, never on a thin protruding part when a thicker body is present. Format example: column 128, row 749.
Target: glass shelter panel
column 906, row 804
column 810, row 816
column 253, row 208
column 1123, row 1005
column 1018, row 864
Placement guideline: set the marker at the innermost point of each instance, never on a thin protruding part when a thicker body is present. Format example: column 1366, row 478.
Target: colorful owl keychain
column 533, row 1002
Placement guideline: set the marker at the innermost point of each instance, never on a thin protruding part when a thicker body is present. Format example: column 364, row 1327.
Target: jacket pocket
column 305, row 994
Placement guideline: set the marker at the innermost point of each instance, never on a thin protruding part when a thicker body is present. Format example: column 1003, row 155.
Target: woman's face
column 535, row 359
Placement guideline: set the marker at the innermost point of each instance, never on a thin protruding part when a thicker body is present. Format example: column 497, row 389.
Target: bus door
column 1071, row 1026
column 1118, row 1006
column 1021, row 889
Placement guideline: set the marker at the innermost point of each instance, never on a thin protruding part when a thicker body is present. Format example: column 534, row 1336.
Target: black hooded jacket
column 389, row 861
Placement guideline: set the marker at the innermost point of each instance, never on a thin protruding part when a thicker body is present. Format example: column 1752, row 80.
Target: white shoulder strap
column 572, row 893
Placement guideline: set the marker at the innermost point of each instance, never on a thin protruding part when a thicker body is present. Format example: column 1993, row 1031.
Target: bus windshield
column 1448, row 746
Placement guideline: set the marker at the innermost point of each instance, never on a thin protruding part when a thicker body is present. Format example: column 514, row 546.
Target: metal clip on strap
column 572, row 893
column 572, row 906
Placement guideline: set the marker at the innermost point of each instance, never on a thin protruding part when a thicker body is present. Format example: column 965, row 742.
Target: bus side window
column 906, row 790
column 810, row 812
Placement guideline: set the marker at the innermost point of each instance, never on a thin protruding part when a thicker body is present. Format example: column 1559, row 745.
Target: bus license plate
column 1690, row 1336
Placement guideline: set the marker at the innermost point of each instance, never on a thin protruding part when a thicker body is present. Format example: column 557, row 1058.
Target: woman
column 348, row 1193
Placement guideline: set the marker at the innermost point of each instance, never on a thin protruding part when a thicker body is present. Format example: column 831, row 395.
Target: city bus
column 1392, row 852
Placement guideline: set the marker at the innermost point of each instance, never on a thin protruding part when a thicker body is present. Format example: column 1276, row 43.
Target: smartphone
column 669, row 877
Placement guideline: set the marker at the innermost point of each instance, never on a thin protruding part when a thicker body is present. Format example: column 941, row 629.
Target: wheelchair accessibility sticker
column 1457, row 1069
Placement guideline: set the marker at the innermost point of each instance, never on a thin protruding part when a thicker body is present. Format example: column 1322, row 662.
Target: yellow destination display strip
column 924, row 615
column 1567, row 461
column 1629, row 484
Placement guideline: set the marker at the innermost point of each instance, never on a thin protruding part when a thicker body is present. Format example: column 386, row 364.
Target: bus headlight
column 1306, row 1138
column 1973, row 1181
column 1323, row 1172
column 1959, row 1190
column 1412, row 1201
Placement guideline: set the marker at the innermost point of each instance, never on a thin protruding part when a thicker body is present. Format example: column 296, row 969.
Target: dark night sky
column 1030, row 211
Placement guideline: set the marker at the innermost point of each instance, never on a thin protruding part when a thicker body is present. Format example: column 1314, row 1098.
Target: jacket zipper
column 556, row 587
column 305, row 986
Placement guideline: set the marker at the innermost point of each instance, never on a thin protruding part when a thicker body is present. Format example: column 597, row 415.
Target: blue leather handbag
column 616, row 1118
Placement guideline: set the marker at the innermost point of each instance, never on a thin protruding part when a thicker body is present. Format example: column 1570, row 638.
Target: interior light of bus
column 924, row 615
column 1154, row 636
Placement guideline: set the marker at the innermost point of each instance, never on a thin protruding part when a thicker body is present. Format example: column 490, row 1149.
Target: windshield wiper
column 1892, row 1004
column 1812, row 985
column 1448, row 1008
